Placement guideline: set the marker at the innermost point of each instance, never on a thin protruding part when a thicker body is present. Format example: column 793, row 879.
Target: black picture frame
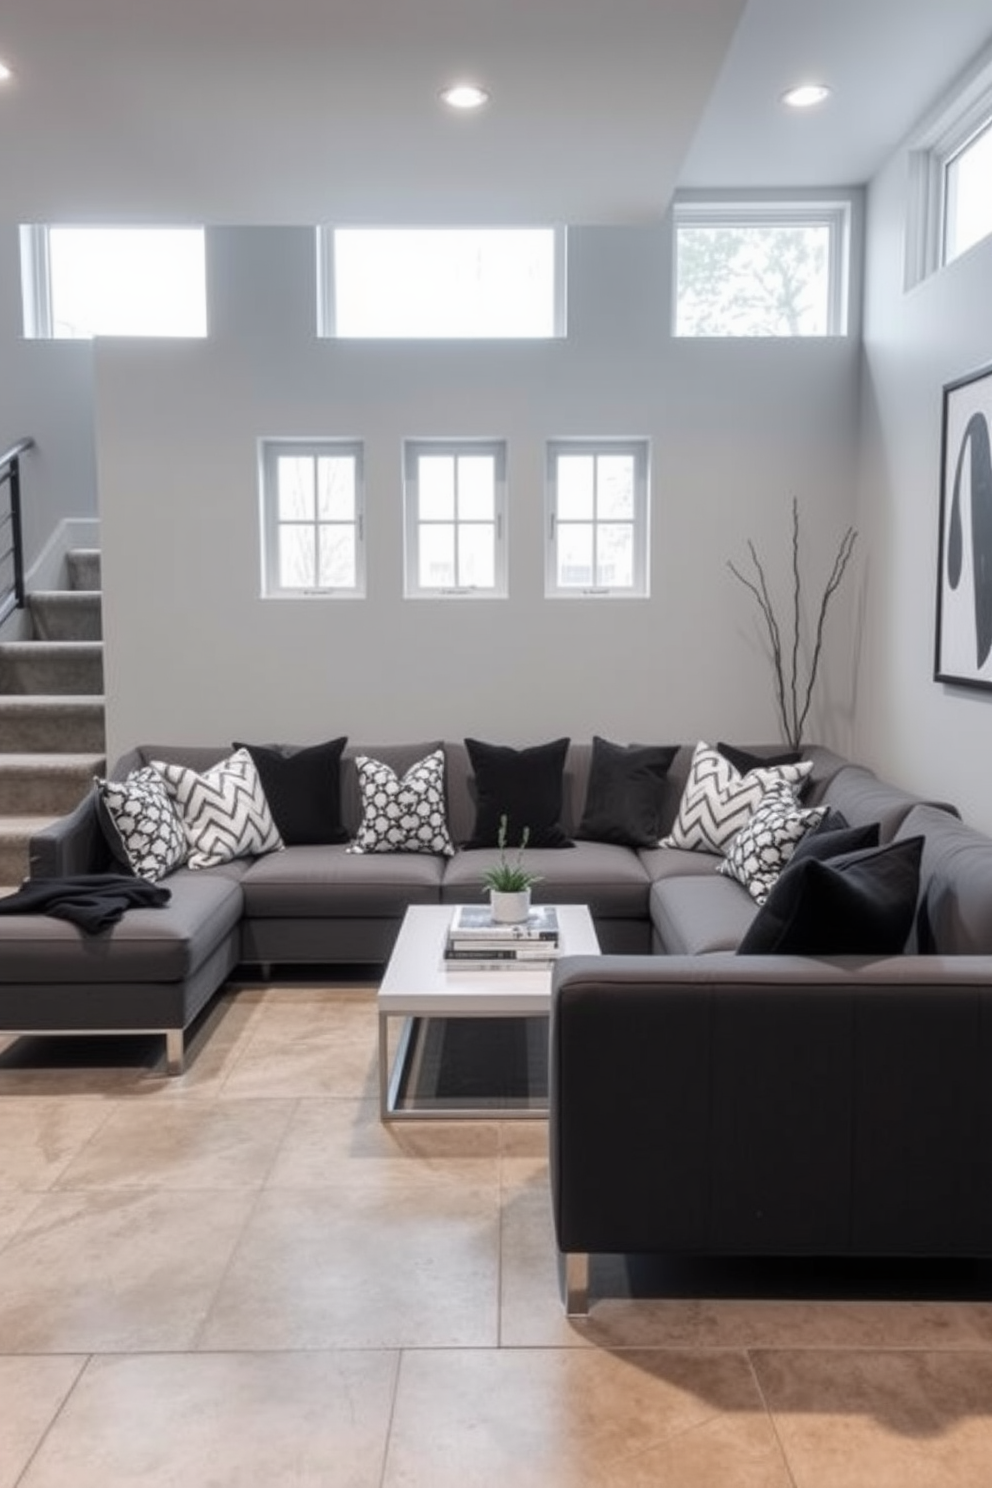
column 963, row 653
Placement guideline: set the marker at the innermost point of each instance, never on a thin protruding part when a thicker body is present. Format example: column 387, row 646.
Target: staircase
column 52, row 739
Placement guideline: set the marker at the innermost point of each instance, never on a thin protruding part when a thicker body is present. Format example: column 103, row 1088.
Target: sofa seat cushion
column 304, row 882
column 611, row 880
column 146, row 945
column 678, row 862
column 696, row 915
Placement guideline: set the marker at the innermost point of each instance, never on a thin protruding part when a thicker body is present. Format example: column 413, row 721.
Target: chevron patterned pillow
column 766, row 842
column 224, row 811
column 718, row 800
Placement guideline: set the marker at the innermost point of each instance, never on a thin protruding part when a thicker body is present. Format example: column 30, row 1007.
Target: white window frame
column 640, row 449
column 738, row 212
column 326, row 299
column 413, row 449
column 269, row 453
column 984, row 130
column 36, row 282
column 943, row 136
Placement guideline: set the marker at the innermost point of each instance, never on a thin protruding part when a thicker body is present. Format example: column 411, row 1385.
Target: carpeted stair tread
column 72, row 763
column 74, row 667
column 39, row 782
column 57, row 724
column 15, row 836
column 66, row 614
column 22, row 827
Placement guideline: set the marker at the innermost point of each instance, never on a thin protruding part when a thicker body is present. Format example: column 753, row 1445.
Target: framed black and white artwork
column 964, row 576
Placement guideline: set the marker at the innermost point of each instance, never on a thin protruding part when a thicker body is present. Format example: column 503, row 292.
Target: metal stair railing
column 11, row 539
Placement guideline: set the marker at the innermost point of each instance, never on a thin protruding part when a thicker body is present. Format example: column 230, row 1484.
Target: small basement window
column 597, row 535
column 313, row 532
column 455, row 506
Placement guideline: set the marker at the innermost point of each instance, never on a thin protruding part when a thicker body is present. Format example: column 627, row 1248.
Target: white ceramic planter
column 509, row 909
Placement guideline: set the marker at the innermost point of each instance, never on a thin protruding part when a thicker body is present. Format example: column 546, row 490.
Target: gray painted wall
column 166, row 433
column 46, row 392
column 193, row 653
column 932, row 737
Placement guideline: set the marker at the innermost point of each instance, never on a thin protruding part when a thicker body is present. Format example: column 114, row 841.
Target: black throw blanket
column 91, row 900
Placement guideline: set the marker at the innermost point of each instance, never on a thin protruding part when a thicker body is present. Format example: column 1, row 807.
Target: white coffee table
column 418, row 984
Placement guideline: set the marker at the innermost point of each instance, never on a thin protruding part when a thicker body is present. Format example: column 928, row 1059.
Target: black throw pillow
column 624, row 798
column 303, row 789
column 743, row 760
column 826, row 842
column 859, row 904
column 834, row 821
column 525, row 786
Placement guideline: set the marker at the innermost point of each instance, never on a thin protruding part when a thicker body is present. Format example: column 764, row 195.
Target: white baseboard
column 48, row 569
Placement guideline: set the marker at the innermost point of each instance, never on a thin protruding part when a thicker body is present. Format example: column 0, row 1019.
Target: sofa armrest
column 73, row 844
column 771, row 1105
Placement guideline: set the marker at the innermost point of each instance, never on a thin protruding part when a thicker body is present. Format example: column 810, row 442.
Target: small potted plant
column 508, row 881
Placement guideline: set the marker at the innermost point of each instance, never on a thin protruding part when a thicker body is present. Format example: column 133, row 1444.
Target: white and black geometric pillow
column 717, row 799
column 762, row 847
column 405, row 815
column 224, row 811
column 141, row 824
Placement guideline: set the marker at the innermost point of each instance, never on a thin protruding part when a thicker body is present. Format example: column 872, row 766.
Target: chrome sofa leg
column 577, row 1284
column 175, row 1057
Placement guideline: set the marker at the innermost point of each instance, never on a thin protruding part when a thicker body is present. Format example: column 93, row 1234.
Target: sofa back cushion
column 954, row 915
column 197, row 757
column 862, row 797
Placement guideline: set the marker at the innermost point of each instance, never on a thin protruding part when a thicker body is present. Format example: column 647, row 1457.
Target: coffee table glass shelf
column 445, row 1058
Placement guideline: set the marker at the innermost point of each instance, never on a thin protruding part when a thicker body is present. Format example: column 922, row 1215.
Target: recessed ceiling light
column 806, row 95
column 464, row 96
column 5, row 73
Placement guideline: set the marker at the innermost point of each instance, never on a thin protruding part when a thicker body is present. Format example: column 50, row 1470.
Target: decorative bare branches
column 792, row 697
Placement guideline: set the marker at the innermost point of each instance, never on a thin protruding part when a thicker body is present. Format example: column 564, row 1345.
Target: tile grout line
column 748, row 1353
column 86, row 1360
column 388, row 1434
column 200, row 1329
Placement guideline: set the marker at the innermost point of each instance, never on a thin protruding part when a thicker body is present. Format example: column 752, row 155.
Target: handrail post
column 15, row 530
column 15, row 597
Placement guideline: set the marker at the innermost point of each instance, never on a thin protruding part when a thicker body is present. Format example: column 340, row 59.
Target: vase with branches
column 794, row 683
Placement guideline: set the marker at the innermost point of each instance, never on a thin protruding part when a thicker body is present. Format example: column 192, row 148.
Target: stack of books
column 477, row 941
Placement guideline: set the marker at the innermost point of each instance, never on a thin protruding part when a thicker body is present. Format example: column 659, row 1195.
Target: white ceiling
column 326, row 110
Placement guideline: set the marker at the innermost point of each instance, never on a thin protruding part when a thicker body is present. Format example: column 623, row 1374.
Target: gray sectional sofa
column 157, row 968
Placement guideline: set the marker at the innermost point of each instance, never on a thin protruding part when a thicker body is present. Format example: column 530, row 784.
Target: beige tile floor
column 239, row 1277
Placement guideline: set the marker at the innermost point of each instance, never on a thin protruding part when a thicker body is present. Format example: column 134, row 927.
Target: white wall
column 193, row 653
column 932, row 737
column 46, row 392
